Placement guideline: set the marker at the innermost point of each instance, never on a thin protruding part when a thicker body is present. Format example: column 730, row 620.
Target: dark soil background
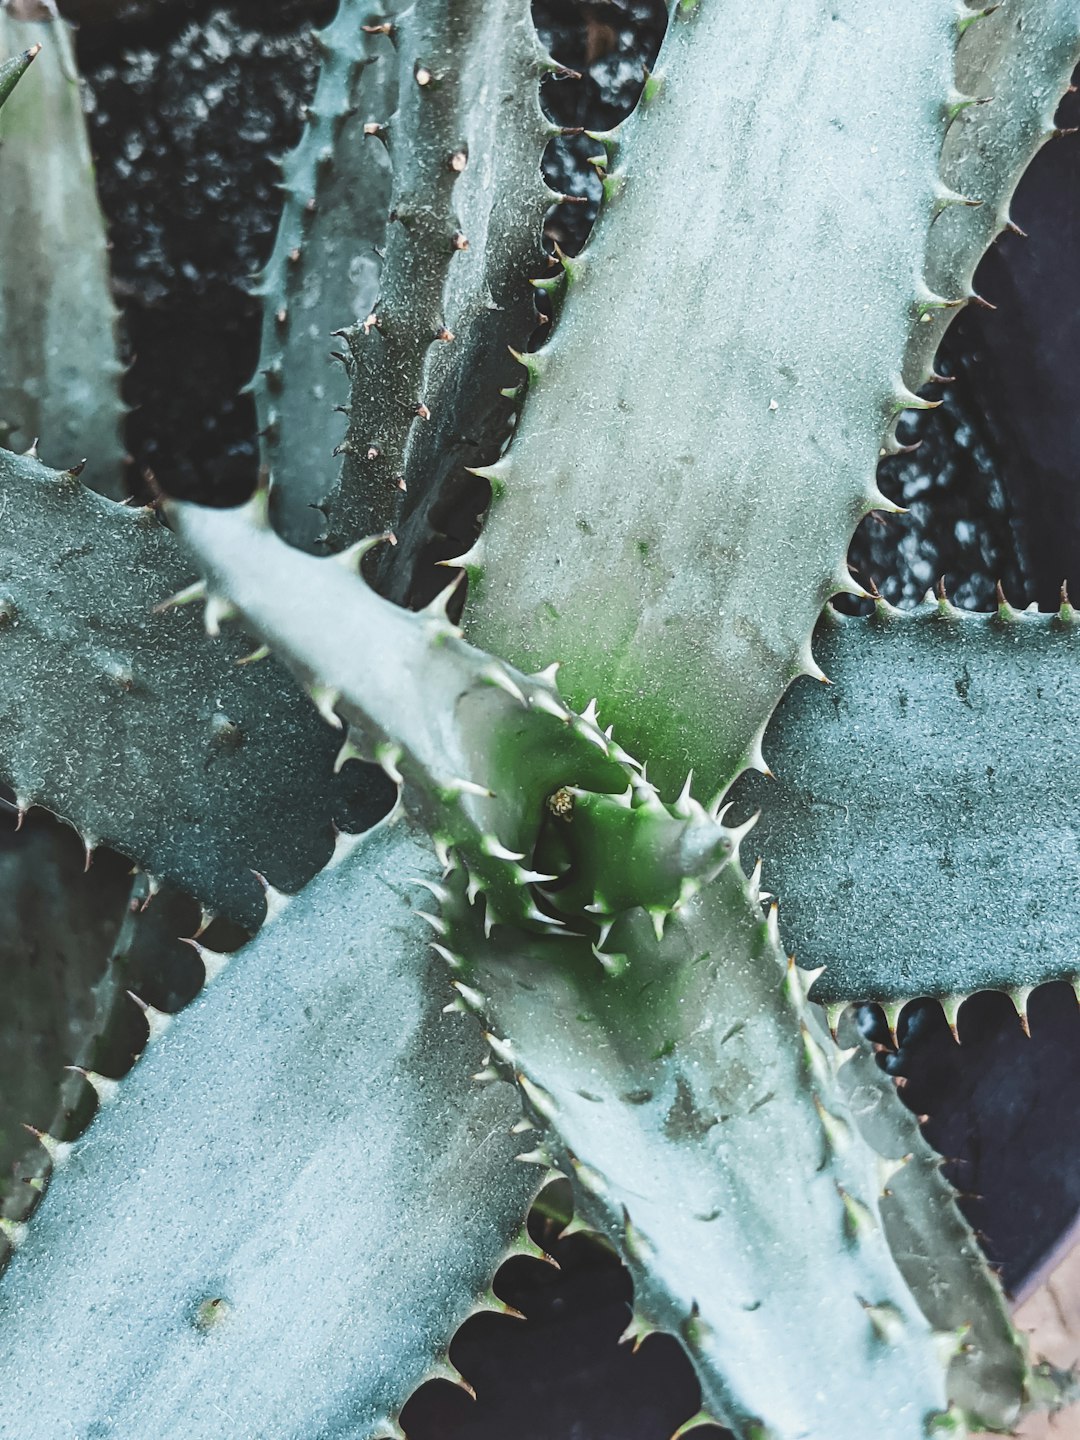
column 189, row 103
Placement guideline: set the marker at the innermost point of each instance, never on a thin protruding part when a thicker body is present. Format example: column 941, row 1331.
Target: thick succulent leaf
column 923, row 831
column 676, row 561
column 478, row 746
column 129, row 723
column 290, row 1205
column 59, row 368
column 646, row 1100
column 324, row 269
column 1013, row 66
column 941, row 1261
column 705, row 1116
column 59, row 928
column 428, row 363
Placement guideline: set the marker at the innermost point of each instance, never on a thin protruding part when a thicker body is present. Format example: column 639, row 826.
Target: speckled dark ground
column 190, row 102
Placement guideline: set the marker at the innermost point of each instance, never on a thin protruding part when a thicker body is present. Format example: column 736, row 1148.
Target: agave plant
column 548, row 960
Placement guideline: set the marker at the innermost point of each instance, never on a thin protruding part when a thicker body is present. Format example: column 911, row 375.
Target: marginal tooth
column 613, row 964
column 551, row 924
column 682, row 804
column 705, row 1417
column 350, row 559
column 539, row 1156
column 591, row 733
column 13, row 1231
column 349, row 751
column 489, row 845
column 539, row 1099
column 459, row 786
column 440, row 892
column 524, row 1244
column 753, row 884
column 213, row 963
column 106, row 1089
column 951, row 1343
column 575, row 1226
column 472, row 997
column 837, row 1131
column 887, row 1170
column 494, row 674
column 58, row 1151
column 834, row 1014
column 950, row 1004
column 522, row 1127
column 157, row 1021
column 1020, row 995
column 772, row 921
column 755, row 757
column 1004, row 609
column 532, row 877
column 437, row 609
column 325, row 699
column 1066, row 613
column 739, row 832
column 877, row 500
column 638, row 1330
column 844, row 583
column 809, row 666
column 276, row 900
column 858, row 1218
column 188, row 596
column 658, row 917
column 585, row 1175
column 443, row 1370
column 391, row 1429
column 218, row 612
column 345, row 844
column 887, row 1321
column 807, row 978
column 501, row 1049
column 893, row 1010
column 388, row 756
column 490, row 1303
column 550, row 704
column 637, row 1247
column 437, row 923
column 454, row 961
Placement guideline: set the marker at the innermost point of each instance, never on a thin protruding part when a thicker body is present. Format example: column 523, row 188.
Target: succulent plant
column 549, row 952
